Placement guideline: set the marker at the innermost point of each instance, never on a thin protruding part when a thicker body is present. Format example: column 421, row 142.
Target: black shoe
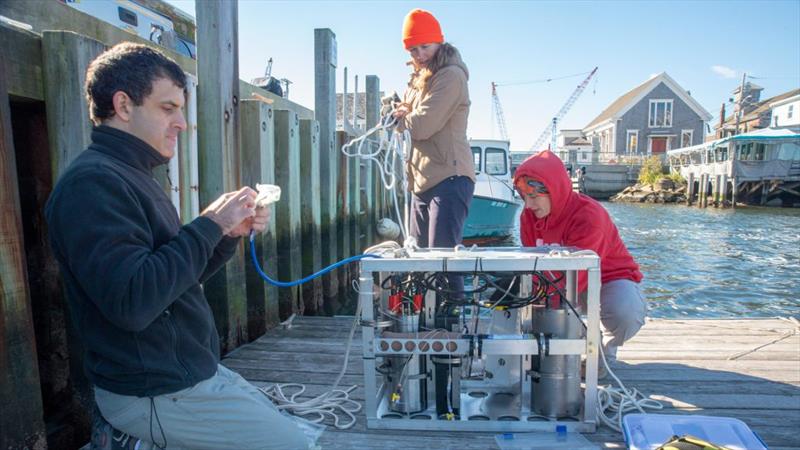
column 106, row 437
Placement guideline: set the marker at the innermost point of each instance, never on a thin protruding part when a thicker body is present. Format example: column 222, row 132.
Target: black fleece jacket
column 132, row 272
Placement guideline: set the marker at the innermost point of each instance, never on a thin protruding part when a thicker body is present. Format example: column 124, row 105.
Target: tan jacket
column 438, row 126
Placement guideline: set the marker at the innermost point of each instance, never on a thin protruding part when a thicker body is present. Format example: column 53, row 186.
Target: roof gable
column 625, row 102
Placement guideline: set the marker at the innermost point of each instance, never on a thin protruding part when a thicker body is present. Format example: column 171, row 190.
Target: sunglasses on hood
column 528, row 187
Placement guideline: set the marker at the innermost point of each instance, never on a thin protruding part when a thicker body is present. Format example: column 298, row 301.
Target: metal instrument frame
column 492, row 259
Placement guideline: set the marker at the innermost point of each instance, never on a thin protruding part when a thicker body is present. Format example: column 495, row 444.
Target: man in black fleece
column 133, row 272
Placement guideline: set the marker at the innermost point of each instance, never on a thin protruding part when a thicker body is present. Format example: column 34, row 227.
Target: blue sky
column 704, row 45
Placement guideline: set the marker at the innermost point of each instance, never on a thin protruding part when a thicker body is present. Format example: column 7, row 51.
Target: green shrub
column 651, row 171
column 676, row 178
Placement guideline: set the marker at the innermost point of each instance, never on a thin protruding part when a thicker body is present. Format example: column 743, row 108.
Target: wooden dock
column 747, row 369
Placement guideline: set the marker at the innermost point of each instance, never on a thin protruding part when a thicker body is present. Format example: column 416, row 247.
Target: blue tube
column 306, row 279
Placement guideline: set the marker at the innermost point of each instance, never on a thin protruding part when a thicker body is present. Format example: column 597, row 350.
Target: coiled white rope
column 613, row 403
column 388, row 154
column 332, row 404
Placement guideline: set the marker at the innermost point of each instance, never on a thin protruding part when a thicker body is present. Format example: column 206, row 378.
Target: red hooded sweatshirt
column 575, row 220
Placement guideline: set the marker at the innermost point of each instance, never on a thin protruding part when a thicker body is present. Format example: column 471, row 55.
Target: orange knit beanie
column 420, row 27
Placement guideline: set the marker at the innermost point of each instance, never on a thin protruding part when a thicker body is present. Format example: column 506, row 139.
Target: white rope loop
column 613, row 403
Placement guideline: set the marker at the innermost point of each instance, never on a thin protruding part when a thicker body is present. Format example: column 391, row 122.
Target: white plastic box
column 649, row 431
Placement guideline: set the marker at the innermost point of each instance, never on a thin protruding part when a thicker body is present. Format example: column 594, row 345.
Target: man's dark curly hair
column 130, row 68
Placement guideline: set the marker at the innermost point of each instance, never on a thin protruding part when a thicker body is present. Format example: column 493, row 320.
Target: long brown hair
column 444, row 55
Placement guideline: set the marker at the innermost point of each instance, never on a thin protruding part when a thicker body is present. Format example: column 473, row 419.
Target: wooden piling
column 287, row 210
column 354, row 197
column 218, row 112
column 310, row 214
column 689, row 189
column 325, row 55
column 65, row 57
column 258, row 166
column 372, row 117
column 20, row 393
column 343, row 227
column 734, row 191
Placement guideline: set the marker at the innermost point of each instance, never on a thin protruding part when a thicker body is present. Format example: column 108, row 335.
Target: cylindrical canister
column 556, row 379
column 406, row 376
column 447, row 376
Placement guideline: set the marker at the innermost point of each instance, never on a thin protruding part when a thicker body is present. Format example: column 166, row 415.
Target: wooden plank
column 188, row 176
column 23, row 64
column 258, row 166
column 287, row 210
column 310, row 215
column 248, row 91
column 66, row 56
column 354, row 208
column 372, row 116
column 343, row 217
column 20, row 394
column 325, row 113
column 765, row 394
column 218, row 139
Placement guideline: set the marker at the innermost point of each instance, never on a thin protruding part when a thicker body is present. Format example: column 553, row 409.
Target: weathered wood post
column 21, row 418
column 354, row 197
column 701, row 178
column 734, row 191
column 715, row 191
column 65, row 57
column 287, row 210
column 343, row 227
column 325, row 114
column 258, row 166
column 689, row 188
column 724, row 190
column 187, row 152
column 310, row 214
column 372, row 116
column 218, row 136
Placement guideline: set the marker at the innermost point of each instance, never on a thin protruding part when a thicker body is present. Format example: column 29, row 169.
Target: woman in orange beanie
column 434, row 110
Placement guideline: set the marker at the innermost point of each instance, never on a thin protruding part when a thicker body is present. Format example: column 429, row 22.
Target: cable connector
column 267, row 194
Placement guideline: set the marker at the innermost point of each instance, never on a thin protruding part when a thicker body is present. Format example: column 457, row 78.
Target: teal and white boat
column 495, row 206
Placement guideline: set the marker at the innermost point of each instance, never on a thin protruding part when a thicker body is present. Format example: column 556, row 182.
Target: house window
column 496, row 161
column 686, row 138
column 660, row 114
column 633, row 141
column 789, row 112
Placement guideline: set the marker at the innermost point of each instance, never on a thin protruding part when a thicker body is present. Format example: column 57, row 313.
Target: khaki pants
column 223, row 412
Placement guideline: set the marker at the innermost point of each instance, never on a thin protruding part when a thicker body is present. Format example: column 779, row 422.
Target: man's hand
column 230, row 211
column 257, row 223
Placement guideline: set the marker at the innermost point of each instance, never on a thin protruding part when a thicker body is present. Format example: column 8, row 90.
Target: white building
column 786, row 112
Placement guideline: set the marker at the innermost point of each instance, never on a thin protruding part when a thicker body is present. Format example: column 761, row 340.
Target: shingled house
column 655, row 116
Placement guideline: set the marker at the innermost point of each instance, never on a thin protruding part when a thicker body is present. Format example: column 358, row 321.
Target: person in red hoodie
column 555, row 215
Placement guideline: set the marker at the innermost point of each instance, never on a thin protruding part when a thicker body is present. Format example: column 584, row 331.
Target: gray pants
column 622, row 312
column 223, row 412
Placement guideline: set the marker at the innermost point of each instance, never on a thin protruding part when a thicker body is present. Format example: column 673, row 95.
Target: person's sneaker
column 106, row 437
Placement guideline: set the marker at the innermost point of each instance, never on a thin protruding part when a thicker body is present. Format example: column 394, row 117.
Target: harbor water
column 713, row 263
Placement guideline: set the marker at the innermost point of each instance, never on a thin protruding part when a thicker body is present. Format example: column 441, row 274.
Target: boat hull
column 490, row 220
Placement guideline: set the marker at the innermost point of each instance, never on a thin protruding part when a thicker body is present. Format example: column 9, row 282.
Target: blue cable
column 306, row 279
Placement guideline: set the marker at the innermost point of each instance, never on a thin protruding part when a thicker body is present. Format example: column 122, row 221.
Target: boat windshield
column 476, row 158
column 496, row 161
